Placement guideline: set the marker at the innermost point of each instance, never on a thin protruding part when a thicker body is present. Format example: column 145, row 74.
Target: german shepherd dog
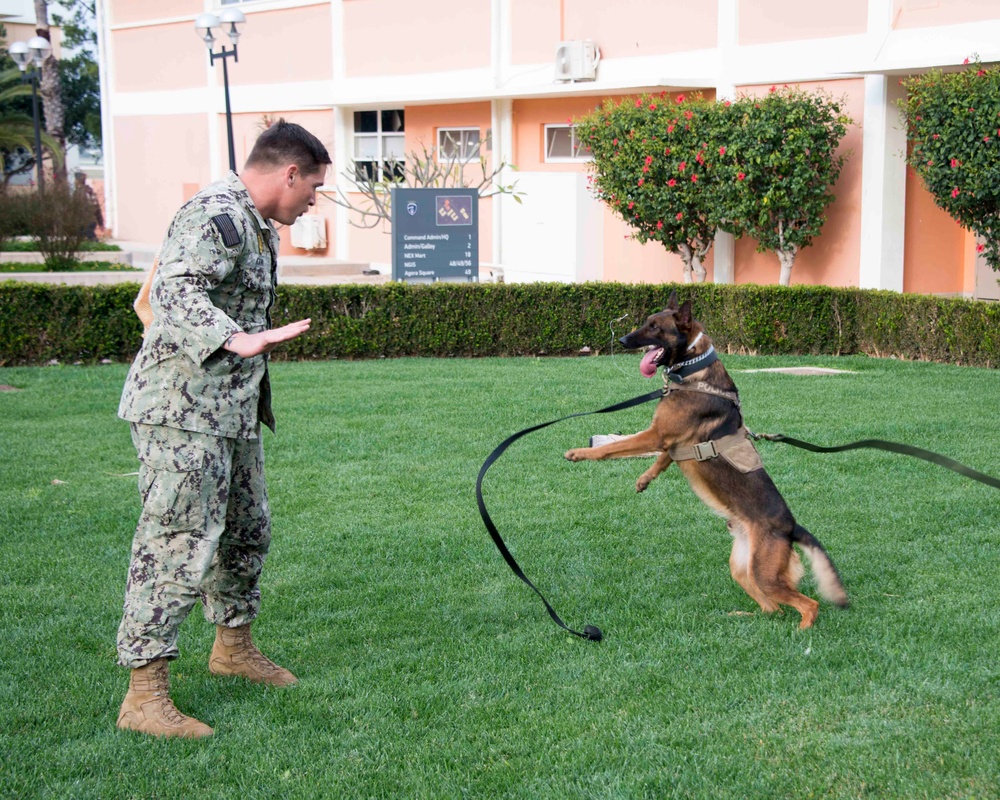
column 698, row 423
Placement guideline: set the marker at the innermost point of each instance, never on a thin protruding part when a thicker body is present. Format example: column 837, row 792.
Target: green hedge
column 40, row 322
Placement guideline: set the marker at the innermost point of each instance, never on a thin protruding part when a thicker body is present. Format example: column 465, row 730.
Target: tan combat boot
column 147, row 707
column 234, row 653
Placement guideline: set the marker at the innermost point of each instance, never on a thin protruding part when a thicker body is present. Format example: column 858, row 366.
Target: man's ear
column 292, row 174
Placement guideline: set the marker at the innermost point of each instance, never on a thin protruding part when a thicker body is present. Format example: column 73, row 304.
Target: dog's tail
column 828, row 581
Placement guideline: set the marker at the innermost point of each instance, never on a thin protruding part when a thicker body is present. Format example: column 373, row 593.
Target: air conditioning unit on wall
column 577, row 61
column 309, row 232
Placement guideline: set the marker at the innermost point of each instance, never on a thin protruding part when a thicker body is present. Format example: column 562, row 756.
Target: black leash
column 590, row 632
column 892, row 447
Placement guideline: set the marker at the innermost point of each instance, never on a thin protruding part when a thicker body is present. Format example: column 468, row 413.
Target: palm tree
column 18, row 129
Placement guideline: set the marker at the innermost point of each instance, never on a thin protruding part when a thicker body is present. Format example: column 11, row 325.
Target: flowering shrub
column 677, row 169
column 653, row 167
column 953, row 128
column 773, row 181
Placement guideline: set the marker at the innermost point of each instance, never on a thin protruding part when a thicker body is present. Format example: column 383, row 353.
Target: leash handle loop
column 590, row 632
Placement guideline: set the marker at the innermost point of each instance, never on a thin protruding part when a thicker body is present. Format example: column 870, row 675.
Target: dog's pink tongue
column 649, row 366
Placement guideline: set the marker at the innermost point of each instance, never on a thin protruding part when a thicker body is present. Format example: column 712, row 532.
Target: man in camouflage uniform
column 196, row 396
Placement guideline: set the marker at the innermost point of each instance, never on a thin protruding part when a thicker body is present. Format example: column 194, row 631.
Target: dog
column 698, row 423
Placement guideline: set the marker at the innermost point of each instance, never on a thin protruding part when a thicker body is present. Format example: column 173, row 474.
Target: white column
column 342, row 152
column 341, row 156
column 501, row 117
column 724, row 270
column 104, row 57
column 883, row 186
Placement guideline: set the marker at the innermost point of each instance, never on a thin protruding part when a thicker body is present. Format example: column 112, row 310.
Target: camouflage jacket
column 217, row 276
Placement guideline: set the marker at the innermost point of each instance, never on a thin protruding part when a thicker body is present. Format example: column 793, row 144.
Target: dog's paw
column 642, row 483
column 576, row 455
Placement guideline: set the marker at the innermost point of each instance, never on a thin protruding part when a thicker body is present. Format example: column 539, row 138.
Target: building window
column 379, row 145
column 562, row 144
column 458, row 144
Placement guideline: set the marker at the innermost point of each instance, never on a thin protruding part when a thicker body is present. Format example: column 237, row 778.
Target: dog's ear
column 672, row 302
column 684, row 316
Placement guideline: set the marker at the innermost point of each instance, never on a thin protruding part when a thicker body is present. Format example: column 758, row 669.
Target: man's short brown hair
column 287, row 143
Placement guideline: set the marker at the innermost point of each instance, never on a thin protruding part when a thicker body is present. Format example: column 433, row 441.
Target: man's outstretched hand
column 254, row 344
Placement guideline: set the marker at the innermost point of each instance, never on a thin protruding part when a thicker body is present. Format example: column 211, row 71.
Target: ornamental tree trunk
column 694, row 270
column 51, row 92
column 787, row 259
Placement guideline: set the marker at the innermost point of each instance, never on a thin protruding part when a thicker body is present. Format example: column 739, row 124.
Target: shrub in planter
column 775, row 173
column 11, row 213
column 653, row 158
column 953, row 129
column 58, row 220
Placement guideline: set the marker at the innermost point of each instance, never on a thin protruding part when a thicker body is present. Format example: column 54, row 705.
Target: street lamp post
column 33, row 52
column 231, row 19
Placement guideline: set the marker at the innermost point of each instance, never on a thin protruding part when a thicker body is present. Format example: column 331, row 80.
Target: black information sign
column 435, row 235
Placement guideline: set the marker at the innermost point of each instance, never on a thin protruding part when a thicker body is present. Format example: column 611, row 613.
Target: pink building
column 375, row 78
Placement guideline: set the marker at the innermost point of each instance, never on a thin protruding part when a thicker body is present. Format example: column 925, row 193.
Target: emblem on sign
column 411, row 208
column 453, row 210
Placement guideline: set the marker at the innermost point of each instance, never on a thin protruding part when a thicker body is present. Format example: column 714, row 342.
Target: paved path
column 314, row 270
column 309, row 270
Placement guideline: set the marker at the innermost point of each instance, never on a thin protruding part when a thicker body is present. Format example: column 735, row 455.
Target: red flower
column 652, row 106
column 642, row 181
column 649, row 160
column 980, row 73
column 679, row 98
column 646, row 168
column 772, row 89
column 955, row 192
column 671, row 182
column 980, row 248
column 682, row 166
column 615, row 141
column 666, row 152
column 631, row 204
column 954, row 163
column 694, row 179
column 740, row 176
column 638, row 102
column 659, row 226
column 688, row 114
column 966, row 61
column 936, row 136
column 727, row 104
column 680, row 216
column 722, row 151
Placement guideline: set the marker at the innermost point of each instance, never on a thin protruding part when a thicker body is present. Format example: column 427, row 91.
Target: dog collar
column 678, row 372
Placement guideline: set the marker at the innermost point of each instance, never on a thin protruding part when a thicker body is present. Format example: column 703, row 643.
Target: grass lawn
column 428, row 671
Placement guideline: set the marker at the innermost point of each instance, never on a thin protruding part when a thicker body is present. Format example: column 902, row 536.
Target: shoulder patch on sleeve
column 228, row 230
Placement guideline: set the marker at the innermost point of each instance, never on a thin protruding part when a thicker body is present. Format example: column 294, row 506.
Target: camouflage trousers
column 203, row 534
